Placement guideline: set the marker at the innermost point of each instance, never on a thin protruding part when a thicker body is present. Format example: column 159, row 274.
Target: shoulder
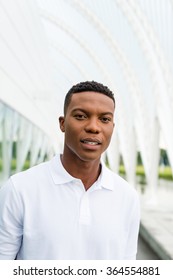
column 30, row 178
column 118, row 184
column 31, row 172
column 126, row 193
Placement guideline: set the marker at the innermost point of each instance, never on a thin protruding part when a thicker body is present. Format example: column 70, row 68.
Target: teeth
column 91, row 143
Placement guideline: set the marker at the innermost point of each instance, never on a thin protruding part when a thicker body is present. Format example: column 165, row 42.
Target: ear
column 62, row 123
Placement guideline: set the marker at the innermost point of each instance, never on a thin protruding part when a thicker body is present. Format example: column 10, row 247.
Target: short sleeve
column 11, row 227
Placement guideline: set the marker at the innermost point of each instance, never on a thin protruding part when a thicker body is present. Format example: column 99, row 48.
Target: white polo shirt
column 45, row 213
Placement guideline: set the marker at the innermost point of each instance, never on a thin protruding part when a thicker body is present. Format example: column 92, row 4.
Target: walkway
column 157, row 219
column 145, row 252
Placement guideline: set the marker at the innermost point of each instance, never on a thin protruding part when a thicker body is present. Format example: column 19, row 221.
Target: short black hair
column 87, row 86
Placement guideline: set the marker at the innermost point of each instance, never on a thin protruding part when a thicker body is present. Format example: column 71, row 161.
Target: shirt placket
column 84, row 215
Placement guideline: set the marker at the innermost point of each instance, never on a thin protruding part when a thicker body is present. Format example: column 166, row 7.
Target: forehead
column 91, row 99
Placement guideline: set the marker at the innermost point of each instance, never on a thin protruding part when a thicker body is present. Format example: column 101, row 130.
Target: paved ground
column 145, row 252
column 157, row 219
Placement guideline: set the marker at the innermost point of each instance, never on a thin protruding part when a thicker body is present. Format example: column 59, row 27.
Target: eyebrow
column 86, row 112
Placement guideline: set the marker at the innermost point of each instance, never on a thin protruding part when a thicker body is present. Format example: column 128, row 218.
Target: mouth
column 92, row 142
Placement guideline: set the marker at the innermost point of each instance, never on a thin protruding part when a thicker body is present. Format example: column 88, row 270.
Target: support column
column 23, row 142
column 131, row 171
column 35, row 146
column 7, row 141
column 43, row 150
column 151, row 192
column 113, row 153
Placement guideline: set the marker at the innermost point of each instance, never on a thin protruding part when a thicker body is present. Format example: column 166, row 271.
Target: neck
column 87, row 171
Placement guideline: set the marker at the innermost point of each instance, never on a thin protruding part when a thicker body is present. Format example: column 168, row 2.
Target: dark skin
column 88, row 126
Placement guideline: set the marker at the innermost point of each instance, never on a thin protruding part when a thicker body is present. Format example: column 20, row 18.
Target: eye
column 105, row 119
column 80, row 117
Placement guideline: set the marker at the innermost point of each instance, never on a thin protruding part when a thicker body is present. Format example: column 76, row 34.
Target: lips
column 91, row 141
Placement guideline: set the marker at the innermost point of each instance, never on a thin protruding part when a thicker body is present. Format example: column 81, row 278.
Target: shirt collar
column 58, row 172
column 61, row 176
column 105, row 178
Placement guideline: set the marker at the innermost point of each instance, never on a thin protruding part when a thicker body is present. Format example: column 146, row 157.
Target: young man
column 72, row 207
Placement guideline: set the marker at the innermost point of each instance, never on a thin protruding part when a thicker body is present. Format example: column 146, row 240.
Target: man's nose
column 93, row 126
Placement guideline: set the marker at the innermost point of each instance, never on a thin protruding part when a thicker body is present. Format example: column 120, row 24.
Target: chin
column 88, row 158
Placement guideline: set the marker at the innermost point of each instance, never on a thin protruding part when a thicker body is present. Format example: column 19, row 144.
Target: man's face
column 88, row 125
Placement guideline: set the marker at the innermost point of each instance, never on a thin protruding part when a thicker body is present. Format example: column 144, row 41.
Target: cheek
column 108, row 134
column 71, row 133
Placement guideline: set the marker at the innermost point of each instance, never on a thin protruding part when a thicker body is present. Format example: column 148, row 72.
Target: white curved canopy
column 46, row 46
